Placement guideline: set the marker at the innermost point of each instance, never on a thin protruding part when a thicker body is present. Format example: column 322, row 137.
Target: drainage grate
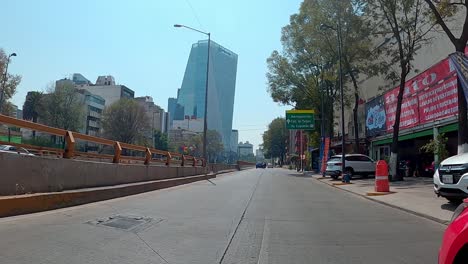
column 124, row 222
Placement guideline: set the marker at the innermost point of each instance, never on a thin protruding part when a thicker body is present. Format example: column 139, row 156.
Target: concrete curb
column 32, row 203
column 440, row 221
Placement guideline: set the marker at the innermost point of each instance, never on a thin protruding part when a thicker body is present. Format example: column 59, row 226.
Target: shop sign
column 429, row 96
column 375, row 117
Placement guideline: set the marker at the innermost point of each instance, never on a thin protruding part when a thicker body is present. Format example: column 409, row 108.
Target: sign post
column 302, row 120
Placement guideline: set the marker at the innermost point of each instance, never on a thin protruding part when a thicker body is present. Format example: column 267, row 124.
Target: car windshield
column 186, row 131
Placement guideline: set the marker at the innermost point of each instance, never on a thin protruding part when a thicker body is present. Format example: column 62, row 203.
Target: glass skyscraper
column 221, row 89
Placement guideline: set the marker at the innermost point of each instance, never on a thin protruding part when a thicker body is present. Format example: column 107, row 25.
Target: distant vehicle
column 451, row 178
column 356, row 164
column 454, row 248
column 260, row 165
column 270, row 165
column 13, row 149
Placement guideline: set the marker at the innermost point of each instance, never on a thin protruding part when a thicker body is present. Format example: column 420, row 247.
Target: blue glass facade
column 221, row 89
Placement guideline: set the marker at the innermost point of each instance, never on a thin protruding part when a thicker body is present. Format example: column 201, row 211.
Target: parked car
column 260, row 165
column 356, row 164
column 270, row 165
column 454, row 248
column 451, row 178
column 13, row 149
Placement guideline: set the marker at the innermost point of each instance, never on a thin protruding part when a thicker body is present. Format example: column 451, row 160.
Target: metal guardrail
column 69, row 151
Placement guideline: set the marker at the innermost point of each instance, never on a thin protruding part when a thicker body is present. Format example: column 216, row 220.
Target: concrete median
column 32, row 203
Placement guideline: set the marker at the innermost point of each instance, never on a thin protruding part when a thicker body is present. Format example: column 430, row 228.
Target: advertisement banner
column 460, row 63
column 420, row 103
column 324, row 155
column 375, row 117
column 439, row 102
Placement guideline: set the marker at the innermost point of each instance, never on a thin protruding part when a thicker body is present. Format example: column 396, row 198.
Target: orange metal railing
column 69, row 152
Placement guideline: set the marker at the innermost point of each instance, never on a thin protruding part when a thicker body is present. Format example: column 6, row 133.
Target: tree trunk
column 34, row 131
column 396, row 130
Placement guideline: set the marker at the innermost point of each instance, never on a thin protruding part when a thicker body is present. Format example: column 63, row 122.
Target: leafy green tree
column 32, row 107
column 275, row 138
column 305, row 74
column 407, row 23
column 62, row 108
column 160, row 140
column 125, row 121
column 444, row 13
column 437, row 147
column 11, row 83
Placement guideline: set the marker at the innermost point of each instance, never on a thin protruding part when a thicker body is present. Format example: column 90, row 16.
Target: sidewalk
column 414, row 195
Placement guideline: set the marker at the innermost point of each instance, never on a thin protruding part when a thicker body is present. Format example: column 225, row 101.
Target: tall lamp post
column 2, row 93
column 338, row 32
column 205, row 126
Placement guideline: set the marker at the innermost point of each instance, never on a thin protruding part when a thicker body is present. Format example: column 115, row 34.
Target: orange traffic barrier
column 381, row 177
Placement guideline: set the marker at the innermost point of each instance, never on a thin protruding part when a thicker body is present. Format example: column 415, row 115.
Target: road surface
column 253, row 216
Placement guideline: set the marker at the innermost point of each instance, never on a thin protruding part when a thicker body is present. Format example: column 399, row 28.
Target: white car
column 451, row 178
column 13, row 149
column 355, row 164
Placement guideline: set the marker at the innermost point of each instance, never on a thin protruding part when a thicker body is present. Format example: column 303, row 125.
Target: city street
column 251, row 216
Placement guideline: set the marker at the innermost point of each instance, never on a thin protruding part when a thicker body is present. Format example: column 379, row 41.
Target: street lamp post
column 2, row 93
column 205, row 124
column 338, row 32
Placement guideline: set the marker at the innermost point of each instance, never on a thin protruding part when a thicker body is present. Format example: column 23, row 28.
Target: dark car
column 260, row 165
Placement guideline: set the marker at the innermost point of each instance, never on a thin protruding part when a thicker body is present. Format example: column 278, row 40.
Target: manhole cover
column 123, row 222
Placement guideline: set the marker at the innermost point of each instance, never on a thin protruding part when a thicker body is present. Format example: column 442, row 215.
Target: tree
column 306, row 73
column 62, row 108
column 443, row 12
column 275, row 138
column 32, row 107
column 160, row 140
column 437, row 147
column 125, row 121
column 406, row 22
column 11, row 82
column 215, row 145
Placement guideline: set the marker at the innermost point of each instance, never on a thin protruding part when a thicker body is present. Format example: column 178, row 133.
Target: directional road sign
column 300, row 119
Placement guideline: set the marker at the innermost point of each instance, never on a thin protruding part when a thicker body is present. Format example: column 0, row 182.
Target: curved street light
column 205, row 126
column 338, row 32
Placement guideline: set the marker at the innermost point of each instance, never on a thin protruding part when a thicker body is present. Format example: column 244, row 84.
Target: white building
column 106, row 88
column 245, row 149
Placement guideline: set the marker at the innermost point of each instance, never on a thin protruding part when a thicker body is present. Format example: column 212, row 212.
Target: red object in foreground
column 381, row 177
column 454, row 248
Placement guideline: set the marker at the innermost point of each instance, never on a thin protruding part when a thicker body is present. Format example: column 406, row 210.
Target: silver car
column 14, row 149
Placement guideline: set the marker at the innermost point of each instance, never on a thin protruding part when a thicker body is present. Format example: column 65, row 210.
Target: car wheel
column 454, row 200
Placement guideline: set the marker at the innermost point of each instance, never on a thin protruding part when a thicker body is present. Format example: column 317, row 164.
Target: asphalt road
column 252, row 216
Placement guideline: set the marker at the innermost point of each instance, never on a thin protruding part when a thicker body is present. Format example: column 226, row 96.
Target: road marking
column 264, row 248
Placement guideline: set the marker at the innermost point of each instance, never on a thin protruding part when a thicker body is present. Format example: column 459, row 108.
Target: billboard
column 375, row 117
column 427, row 97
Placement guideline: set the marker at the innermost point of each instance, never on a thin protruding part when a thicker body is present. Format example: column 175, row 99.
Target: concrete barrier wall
column 26, row 174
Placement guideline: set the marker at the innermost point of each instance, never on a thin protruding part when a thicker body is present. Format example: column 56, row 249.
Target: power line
column 195, row 14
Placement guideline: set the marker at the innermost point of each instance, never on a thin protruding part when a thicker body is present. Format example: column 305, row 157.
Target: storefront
column 429, row 108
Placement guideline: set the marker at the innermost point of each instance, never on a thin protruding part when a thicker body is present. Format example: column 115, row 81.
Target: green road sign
column 300, row 119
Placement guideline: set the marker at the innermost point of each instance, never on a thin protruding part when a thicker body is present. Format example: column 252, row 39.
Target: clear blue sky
column 135, row 41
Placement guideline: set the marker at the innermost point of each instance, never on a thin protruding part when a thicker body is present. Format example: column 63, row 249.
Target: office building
column 221, row 90
column 245, row 149
column 155, row 115
column 234, row 140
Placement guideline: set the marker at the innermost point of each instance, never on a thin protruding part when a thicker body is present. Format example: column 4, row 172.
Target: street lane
column 252, row 216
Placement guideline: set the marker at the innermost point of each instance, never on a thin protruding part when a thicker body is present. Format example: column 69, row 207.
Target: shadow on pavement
column 300, row 175
column 449, row 206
